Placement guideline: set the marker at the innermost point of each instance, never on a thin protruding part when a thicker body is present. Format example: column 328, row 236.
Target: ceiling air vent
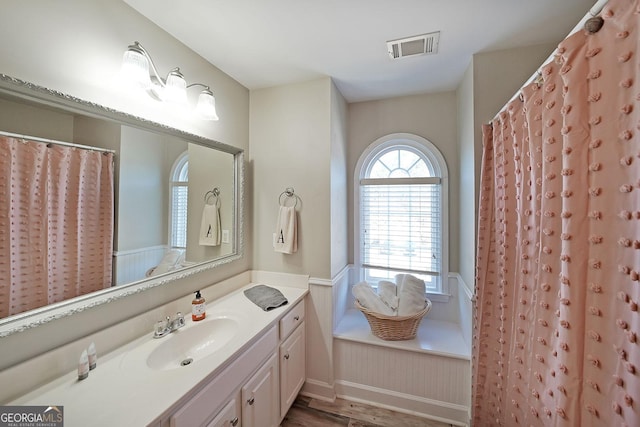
column 424, row 44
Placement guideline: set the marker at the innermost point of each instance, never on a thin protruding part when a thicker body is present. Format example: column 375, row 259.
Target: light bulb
column 135, row 68
column 175, row 88
column 206, row 107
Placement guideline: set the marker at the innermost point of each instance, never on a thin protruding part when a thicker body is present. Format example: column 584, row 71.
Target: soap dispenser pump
column 198, row 308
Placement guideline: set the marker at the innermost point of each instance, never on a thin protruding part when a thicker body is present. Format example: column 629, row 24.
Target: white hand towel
column 411, row 294
column 388, row 291
column 210, row 226
column 369, row 299
column 285, row 238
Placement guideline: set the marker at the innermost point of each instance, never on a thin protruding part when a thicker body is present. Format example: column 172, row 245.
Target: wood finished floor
column 307, row 412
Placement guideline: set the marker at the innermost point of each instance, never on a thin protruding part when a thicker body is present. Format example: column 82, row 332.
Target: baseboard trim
column 427, row 408
column 318, row 390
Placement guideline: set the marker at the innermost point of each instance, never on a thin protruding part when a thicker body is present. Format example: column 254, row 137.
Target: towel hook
column 215, row 193
column 288, row 193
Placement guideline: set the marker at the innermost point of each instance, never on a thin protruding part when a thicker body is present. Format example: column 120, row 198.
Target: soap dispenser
column 91, row 353
column 198, row 308
column 83, row 365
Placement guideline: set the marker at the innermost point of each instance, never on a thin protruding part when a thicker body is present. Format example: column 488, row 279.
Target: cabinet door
column 260, row 397
column 292, row 368
column 229, row 416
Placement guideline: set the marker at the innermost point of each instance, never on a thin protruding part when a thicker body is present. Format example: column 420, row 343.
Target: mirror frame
column 21, row 89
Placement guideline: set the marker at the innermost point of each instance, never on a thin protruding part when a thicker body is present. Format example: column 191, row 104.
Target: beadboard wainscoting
column 131, row 266
column 433, row 386
column 428, row 376
column 321, row 320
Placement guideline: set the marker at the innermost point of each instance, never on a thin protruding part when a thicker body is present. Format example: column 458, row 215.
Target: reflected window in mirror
column 179, row 192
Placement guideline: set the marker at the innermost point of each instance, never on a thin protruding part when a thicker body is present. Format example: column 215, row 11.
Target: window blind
column 179, row 195
column 400, row 229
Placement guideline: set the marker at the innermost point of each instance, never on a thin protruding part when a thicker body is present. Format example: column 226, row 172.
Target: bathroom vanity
column 272, row 367
column 241, row 366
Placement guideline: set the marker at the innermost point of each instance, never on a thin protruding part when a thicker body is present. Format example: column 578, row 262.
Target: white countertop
column 124, row 391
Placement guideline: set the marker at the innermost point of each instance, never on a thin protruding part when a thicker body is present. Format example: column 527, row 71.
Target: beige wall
column 498, row 75
column 76, row 47
column 291, row 147
column 16, row 117
column 339, row 183
column 142, row 191
column 431, row 116
column 468, row 182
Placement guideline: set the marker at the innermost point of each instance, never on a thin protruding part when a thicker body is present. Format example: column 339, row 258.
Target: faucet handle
column 179, row 322
column 180, row 318
column 160, row 329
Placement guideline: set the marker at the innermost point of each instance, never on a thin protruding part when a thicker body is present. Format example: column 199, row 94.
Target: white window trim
column 437, row 159
column 177, row 164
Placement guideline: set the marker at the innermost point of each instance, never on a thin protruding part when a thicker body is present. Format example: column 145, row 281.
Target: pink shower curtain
column 56, row 223
column 556, row 332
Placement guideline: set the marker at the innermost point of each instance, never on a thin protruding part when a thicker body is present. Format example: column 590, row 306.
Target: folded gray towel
column 265, row 297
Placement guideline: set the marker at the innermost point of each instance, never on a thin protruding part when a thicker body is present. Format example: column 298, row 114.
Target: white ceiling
column 263, row 43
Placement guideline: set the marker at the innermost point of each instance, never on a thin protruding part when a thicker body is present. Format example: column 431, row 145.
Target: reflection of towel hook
column 212, row 193
column 288, row 193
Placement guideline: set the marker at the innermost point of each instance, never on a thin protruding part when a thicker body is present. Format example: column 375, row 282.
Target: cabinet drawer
column 291, row 320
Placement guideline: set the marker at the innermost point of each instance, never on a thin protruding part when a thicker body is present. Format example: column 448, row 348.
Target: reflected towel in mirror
column 210, row 234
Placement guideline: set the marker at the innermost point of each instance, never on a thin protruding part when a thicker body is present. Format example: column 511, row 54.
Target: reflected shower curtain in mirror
column 47, row 194
column 556, row 328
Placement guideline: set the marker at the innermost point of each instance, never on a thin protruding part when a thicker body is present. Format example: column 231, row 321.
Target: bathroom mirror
column 149, row 192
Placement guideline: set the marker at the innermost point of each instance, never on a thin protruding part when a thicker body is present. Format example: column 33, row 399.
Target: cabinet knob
column 296, row 318
column 250, row 401
column 286, row 356
column 234, row 422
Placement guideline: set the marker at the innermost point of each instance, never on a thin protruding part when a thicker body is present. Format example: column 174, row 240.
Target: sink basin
column 190, row 344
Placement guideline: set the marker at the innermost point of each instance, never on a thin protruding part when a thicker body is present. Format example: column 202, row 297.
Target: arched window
column 179, row 187
column 401, row 211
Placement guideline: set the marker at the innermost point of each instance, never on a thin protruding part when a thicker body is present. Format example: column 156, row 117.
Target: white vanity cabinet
column 257, row 388
column 292, row 357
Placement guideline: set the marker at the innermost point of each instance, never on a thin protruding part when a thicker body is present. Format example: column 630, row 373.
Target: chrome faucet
column 165, row 327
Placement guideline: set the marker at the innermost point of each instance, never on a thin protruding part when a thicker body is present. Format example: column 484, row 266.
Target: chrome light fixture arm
column 198, row 84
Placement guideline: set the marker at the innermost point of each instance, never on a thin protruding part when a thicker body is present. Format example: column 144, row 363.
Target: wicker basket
column 394, row 328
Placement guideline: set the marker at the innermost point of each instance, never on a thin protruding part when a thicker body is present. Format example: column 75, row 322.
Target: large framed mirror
column 168, row 187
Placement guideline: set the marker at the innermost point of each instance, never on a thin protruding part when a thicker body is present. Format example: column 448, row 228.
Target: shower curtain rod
column 594, row 11
column 53, row 141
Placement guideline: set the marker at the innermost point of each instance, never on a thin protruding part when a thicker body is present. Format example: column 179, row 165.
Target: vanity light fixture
column 138, row 69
